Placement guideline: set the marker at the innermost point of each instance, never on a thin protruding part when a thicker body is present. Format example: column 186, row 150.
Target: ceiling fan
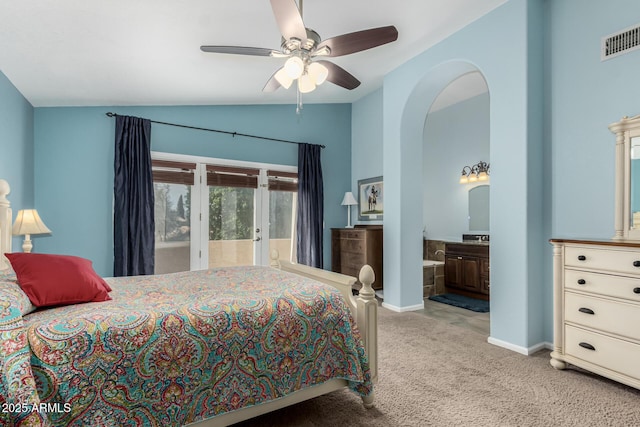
column 303, row 46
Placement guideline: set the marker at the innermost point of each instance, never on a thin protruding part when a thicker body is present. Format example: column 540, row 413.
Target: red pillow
column 58, row 279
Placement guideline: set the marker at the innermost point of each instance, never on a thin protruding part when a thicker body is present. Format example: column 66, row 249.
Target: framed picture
column 370, row 199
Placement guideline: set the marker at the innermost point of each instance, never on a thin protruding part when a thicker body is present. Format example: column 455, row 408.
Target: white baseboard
column 403, row 309
column 527, row 351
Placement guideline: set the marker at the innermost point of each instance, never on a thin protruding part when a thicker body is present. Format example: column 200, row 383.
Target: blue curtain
column 310, row 205
column 133, row 217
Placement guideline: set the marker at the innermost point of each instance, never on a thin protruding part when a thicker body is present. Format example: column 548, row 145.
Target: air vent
column 621, row 42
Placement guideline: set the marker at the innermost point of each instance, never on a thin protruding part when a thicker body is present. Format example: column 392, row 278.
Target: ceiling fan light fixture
column 322, row 51
column 306, row 84
column 283, row 78
column 318, row 72
column 294, row 67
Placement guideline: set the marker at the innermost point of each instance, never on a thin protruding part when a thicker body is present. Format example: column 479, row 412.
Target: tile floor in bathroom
column 478, row 322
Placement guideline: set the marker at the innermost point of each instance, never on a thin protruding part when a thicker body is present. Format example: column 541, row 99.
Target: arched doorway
column 405, row 219
column 456, row 138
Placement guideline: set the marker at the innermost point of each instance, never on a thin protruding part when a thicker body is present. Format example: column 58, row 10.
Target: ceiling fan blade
column 360, row 40
column 241, row 50
column 272, row 84
column 340, row 76
column 289, row 19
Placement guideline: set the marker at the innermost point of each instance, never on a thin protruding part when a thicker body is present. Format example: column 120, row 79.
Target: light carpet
column 436, row 374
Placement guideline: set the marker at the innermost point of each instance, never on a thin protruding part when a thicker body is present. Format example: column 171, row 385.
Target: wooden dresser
column 597, row 308
column 351, row 248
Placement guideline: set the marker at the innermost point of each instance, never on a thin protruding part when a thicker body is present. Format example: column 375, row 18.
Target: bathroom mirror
column 479, row 208
column 627, row 186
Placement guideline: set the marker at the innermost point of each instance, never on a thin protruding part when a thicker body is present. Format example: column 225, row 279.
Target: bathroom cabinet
column 466, row 269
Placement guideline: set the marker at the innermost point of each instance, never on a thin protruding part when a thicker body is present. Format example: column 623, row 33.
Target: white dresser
column 597, row 308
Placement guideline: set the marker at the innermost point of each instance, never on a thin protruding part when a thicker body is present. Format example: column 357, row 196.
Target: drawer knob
column 582, row 258
column 636, row 263
column 587, row 346
column 581, row 281
column 636, row 290
column 586, row 310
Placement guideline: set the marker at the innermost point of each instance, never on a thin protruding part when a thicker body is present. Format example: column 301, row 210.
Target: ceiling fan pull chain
column 299, row 101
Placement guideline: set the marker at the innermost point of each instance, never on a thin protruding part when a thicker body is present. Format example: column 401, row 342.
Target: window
column 172, row 183
column 211, row 213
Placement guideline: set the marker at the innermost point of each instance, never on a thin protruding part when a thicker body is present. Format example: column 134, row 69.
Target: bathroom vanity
column 466, row 269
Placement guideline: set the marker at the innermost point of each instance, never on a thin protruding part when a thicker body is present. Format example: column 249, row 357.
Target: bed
column 204, row 348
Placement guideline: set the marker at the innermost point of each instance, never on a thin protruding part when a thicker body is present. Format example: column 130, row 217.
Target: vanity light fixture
column 475, row 173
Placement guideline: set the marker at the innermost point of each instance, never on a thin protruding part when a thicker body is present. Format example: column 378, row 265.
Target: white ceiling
column 147, row 52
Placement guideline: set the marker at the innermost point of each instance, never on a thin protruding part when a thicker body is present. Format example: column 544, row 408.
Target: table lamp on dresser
column 28, row 222
column 348, row 201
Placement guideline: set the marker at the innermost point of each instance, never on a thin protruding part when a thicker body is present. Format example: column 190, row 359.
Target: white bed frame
column 364, row 308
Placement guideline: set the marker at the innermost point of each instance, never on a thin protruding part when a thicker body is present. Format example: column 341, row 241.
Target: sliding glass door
column 173, row 186
column 283, row 201
column 231, row 226
column 224, row 215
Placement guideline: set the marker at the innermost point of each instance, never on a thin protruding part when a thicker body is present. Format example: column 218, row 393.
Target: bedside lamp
column 349, row 201
column 28, row 222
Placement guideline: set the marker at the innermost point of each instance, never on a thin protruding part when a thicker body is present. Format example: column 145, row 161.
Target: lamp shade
column 28, row 222
column 348, row 199
column 294, row 67
column 283, row 78
column 318, row 72
column 306, row 84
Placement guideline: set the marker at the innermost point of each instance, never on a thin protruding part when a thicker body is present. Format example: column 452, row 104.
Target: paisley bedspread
column 176, row 348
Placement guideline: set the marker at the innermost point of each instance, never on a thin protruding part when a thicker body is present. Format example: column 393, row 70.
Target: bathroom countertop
column 472, row 242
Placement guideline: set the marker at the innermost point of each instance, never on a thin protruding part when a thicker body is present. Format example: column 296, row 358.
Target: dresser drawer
column 609, row 316
column 602, row 284
column 615, row 260
column 611, row 353
column 351, row 234
column 352, row 259
column 352, row 245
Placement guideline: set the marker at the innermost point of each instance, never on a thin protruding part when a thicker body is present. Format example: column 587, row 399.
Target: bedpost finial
column 367, row 277
column 275, row 258
column 5, row 189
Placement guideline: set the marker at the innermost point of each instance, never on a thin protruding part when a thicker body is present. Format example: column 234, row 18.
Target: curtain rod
column 234, row 134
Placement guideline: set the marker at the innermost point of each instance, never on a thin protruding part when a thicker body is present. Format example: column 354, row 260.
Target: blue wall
column 366, row 141
column 74, row 161
column 16, row 149
column 586, row 95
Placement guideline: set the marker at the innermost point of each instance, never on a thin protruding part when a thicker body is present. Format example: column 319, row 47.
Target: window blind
column 282, row 181
column 173, row 172
column 230, row 176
